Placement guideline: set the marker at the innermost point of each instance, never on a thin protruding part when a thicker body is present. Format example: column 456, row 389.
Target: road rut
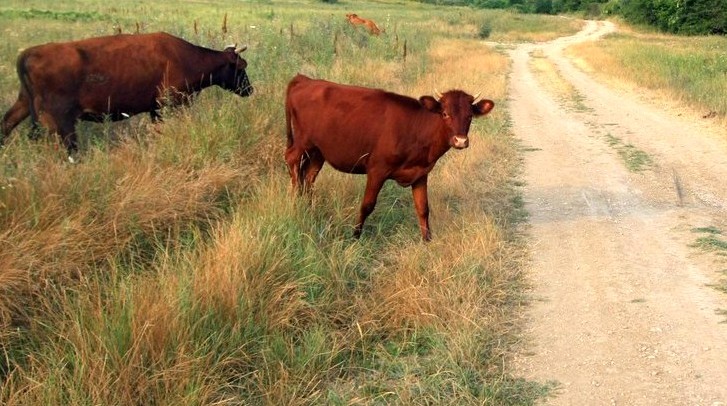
column 621, row 310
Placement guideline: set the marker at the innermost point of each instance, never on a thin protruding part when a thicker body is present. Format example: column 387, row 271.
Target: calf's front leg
column 421, row 203
column 374, row 183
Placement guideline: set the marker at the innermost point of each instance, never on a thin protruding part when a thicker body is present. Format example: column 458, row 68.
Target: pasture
column 172, row 265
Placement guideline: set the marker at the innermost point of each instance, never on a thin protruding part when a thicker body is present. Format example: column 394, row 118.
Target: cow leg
column 421, row 203
column 315, row 163
column 297, row 162
column 155, row 116
column 65, row 130
column 68, row 136
column 17, row 113
column 374, row 183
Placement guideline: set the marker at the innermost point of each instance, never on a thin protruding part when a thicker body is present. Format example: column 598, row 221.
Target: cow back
column 352, row 126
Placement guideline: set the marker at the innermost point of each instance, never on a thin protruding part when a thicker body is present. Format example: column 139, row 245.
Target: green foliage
column 689, row 17
column 492, row 4
column 485, row 30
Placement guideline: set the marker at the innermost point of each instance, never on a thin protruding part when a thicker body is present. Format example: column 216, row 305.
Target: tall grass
column 691, row 70
column 173, row 265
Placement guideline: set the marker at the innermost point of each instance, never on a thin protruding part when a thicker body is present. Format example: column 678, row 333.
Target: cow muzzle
column 244, row 87
column 459, row 142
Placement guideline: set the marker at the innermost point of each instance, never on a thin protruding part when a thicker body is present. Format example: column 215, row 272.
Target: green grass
column 635, row 159
column 712, row 241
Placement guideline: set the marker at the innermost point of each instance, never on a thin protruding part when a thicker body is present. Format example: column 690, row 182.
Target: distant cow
column 370, row 131
column 354, row 19
column 116, row 77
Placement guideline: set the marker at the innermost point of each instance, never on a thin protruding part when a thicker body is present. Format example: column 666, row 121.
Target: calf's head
column 457, row 109
column 233, row 76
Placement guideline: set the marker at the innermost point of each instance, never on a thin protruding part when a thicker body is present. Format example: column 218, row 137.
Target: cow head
column 457, row 109
column 233, row 76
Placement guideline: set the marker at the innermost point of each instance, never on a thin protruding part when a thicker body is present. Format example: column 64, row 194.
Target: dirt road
column 621, row 311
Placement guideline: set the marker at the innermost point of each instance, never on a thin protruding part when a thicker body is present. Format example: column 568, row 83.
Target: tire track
column 621, row 313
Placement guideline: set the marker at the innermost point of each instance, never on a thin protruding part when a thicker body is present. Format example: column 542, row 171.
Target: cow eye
column 445, row 115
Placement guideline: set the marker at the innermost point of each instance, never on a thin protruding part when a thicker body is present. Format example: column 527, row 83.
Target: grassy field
column 172, row 266
column 687, row 70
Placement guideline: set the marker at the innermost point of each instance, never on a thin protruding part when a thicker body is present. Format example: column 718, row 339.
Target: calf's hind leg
column 17, row 113
column 65, row 128
column 297, row 163
column 315, row 163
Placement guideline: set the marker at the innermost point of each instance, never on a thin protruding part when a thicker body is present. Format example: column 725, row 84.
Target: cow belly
column 353, row 166
column 407, row 176
column 350, row 160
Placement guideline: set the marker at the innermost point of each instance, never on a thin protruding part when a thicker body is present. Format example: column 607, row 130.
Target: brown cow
column 370, row 131
column 116, row 77
column 354, row 19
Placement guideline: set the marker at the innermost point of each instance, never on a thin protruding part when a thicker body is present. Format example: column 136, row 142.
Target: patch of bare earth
column 622, row 312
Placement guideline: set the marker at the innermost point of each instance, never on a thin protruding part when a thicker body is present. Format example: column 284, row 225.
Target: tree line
column 688, row 17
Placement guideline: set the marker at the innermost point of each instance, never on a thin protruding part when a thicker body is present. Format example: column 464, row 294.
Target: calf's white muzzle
column 460, row 142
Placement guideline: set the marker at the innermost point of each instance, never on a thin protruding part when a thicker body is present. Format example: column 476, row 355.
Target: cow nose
column 460, row 142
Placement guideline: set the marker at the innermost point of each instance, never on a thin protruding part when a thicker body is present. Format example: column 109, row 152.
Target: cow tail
column 289, row 121
column 25, row 85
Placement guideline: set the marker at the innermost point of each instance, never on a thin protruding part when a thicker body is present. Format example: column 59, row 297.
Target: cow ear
column 431, row 104
column 482, row 107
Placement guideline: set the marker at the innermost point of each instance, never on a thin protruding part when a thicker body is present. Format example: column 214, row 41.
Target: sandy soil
column 621, row 311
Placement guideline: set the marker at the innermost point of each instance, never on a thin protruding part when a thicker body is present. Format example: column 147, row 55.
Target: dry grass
column 77, row 217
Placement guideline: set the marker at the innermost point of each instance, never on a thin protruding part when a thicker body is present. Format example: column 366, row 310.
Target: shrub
column 485, row 30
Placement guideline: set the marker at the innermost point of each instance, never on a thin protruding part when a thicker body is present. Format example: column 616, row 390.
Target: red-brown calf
column 370, row 131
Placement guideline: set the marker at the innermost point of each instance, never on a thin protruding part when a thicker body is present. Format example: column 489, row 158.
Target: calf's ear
column 431, row 104
column 482, row 107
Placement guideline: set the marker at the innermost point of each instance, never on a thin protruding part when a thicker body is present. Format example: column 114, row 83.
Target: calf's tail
column 289, row 119
column 25, row 85
column 23, row 106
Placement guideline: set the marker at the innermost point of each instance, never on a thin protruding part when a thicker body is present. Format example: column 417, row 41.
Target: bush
column 492, row 4
column 485, row 31
column 691, row 17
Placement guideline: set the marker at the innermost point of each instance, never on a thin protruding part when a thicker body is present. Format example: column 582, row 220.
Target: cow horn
column 437, row 95
column 240, row 49
column 477, row 98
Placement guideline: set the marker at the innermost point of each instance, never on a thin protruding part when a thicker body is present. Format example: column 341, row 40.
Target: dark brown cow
column 116, row 77
column 369, row 131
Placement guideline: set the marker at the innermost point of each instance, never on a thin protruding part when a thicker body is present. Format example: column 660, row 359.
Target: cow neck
column 206, row 66
column 440, row 139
